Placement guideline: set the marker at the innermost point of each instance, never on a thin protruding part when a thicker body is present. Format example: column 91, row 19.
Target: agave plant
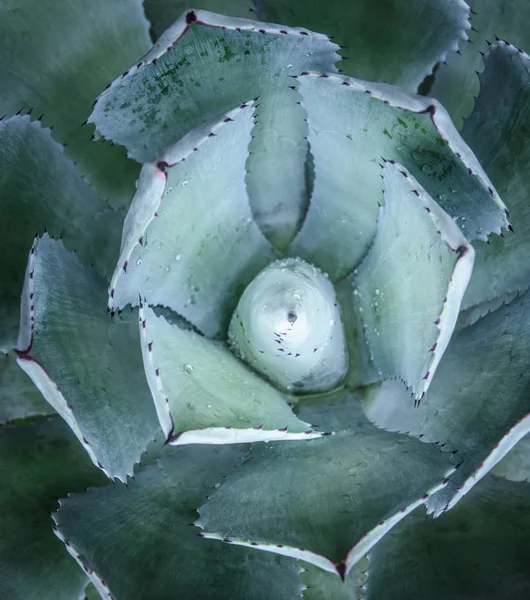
column 293, row 363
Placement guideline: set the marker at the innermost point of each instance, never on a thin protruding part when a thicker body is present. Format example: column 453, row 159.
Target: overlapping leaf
column 19, row 398
column 478, row 403
column 498, row 131
column 456, row 84
column 204, row 66
column 138, row 542
column 204, row 394
column 326, row 501
column 409, row 287
column 39, row 463
column 41, row 189
column 86, row 365
column 55, row 58
column 352, row 125
column 385, row 40
column 185, row 245
column 478, row 550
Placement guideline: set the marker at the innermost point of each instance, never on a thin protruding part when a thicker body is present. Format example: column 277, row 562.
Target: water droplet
column 178, row 257
column 184, row 183
column 377, row 292
column 139, row 262
column 188, row 369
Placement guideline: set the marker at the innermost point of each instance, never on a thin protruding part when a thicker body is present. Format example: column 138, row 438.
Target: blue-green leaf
column 325, row 501
column 40, row 189
column 353, row 124
column 87, row 366
column 393, row 42
column 498, row 131
column 478, row 403
column 409, row 286
column 137, row 542
column 39, row 463
column 184, row 245
column 55, row 58
column 202, row 67
column 477, row 550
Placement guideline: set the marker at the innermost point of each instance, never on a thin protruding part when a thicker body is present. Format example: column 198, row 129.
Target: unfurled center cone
column 288, row 327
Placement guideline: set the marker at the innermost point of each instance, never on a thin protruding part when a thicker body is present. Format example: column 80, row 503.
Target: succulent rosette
column 298, row 347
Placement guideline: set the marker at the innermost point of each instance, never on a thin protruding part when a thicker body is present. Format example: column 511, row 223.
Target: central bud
column 288, row 327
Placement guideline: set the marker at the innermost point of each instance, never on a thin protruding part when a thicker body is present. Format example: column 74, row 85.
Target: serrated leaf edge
column 406, row 101
column 203, row 17
column 356, row 553
column 38, row 374
column 98, row 582
column 151, row 187
column 499, row 451
column 460, row 276
column 207, row 435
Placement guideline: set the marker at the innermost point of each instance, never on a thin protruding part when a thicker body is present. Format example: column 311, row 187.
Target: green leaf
column 352, row 125
column 136, row 542
column 185, row 246
column 204, row 394
column 477, row 550
column 326, row 501
column 19, row 398
column 41, row 189
column 385, row 41
column 515, row 466
column 478, row 403
column 56, row 58
column 498, row 133
column 288, row 327
column 163, row 13
column 471, row 315
column 321, row 585
column 410, row 284
column 204, row 66
column 456, row 84
column 38, row 464
column 87, row 366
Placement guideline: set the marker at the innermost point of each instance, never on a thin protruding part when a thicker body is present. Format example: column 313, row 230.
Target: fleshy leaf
column 456, row 84
column 498, row 133
column 87, row 366
column 478, row 403
column 184, row 246
column 163, row 13
column 471, row 315
column 352, row 125
column 515, row 466
column 326, row 501
column 288, row 326
column 386, row 41
column 137, row 542
column 322, row 585
column 41, row 189
column 19, row 398
column 204, row 66
column 204, row 394
column 477, row 550
column 409, row 286
column 38, row 464
column 39, row 69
